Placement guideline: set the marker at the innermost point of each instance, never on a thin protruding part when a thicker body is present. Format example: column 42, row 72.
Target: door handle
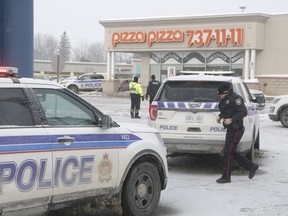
column 66, row 140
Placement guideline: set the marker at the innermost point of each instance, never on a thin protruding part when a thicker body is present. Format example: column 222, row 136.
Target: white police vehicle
column 279, row 110
column 185, row 109
column 85, row 82
column 60, row 152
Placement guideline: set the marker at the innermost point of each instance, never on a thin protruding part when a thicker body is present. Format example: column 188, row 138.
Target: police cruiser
column 85, row 82
column 279, row 110
column 185, row 109
column 60, row 152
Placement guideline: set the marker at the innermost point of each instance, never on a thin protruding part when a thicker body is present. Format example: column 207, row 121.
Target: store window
column 196, row 61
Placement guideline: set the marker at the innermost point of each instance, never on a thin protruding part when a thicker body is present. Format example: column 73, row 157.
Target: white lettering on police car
column 125, row 137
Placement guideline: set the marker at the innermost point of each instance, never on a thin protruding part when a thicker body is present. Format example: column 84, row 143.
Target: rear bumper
column 176, row 146
column 193, row 146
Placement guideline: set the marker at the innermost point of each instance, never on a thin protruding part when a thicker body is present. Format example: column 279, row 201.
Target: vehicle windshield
column 190, row 91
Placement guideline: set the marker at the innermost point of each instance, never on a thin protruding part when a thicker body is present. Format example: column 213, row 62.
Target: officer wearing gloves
column 136, row 93
column 152, row 88
column 232, row 112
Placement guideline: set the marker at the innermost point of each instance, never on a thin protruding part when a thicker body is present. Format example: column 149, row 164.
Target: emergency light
column 8, row 72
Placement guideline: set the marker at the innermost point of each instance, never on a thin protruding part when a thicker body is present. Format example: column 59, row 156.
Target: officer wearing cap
column 232, row 111
column 136, row 93
column 152, row 88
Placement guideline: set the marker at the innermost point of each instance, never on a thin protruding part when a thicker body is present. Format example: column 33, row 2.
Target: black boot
column 252, row 171
column 223, row 180
column 132, row 115
column 137, row 116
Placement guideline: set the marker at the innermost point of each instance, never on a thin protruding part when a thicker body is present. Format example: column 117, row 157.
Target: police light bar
column 8, row 72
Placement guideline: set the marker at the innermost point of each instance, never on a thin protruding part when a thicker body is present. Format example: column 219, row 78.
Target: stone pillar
column 112, row 77
column 110, row 85
column 253, row 64
column 246, row 65
column 108, row 66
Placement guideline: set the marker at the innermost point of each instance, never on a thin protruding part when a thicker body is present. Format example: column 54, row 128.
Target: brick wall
column 271, row 86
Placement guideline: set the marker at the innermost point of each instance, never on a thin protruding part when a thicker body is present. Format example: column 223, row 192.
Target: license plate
column 194, row 118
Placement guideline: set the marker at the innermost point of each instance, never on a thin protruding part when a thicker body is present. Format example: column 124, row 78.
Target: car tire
column 257, row 141
column 284, row 117
column 73, row 88
column 141, row 191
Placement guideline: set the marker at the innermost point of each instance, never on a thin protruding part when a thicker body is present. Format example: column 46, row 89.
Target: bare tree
column 123, row 58
column 94, row 52
column 80, row 53
column 97, row 52
column 45, row 46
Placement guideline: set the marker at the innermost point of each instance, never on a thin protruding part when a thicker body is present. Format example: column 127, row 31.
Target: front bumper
column 273, row 117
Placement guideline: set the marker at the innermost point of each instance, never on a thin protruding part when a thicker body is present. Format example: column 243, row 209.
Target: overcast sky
column 80, row 18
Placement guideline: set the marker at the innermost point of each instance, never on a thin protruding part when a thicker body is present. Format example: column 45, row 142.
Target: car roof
column 203, row 78
column 255, row 91
column 24, row 80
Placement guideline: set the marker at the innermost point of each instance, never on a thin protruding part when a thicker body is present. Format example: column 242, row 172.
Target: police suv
column 279, row 110
column 60, row 152
column 185, row 109
column 85, row 82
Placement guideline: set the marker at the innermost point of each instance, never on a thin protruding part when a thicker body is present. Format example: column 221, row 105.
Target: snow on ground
column 192, row 189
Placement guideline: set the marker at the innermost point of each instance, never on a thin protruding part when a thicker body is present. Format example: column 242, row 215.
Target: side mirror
column 260, row 100
column 106, row 121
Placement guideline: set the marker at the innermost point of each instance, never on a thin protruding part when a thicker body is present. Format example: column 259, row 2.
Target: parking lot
column 192, row 189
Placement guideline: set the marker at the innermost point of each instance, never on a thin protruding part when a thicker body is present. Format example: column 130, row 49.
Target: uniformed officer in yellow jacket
column 136, row 93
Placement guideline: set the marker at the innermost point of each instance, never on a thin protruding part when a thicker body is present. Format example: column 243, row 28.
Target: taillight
column 153, row 112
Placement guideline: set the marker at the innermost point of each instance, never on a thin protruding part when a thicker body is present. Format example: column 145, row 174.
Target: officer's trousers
column 233, row 137
column 135, row 105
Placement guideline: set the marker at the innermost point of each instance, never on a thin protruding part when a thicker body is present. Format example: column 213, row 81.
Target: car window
column 62, row 109
column 194, row 91
column 85, row 77
column 14, row 108
column 97, row 76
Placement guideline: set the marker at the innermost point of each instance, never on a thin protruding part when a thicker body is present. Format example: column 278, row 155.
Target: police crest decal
column 105, row 169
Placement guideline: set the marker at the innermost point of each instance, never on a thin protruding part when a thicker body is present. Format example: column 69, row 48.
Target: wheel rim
column 73, row 88
column 143, row 191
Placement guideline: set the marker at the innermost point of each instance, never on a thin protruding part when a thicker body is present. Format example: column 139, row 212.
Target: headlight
column 276, row 100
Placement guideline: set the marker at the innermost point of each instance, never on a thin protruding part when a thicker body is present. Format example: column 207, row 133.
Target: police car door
column 85, row 160
column 25, row 148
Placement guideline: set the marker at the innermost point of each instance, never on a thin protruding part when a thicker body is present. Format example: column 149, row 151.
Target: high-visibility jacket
column 136, row 88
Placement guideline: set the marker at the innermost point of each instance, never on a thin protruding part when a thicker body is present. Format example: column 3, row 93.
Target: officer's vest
column 134, row 87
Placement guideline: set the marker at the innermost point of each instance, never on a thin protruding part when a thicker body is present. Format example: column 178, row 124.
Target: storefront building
column 252, row 46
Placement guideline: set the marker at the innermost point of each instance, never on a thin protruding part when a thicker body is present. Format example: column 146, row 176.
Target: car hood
column 138, row 128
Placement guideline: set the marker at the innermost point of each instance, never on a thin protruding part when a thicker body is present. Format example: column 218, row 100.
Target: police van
column 85, row 82
column 185, row 109
column 60, row 152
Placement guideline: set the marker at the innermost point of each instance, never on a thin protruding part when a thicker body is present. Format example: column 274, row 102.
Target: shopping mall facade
column 253, row 46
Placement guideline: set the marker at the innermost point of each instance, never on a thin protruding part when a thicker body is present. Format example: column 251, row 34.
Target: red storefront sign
column 198, row 38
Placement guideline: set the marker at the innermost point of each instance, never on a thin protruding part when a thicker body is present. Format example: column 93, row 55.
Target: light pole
column 242, row 8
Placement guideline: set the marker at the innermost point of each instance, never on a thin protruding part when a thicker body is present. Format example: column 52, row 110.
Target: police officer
column 232, row 112
column 136, row 93
column 152, row 88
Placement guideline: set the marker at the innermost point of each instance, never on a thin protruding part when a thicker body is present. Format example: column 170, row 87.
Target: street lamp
column 242, row 8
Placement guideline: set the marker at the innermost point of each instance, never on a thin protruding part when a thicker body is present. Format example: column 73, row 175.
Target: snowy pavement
column 192, row 187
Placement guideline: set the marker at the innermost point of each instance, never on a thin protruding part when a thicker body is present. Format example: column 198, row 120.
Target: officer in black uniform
column 152, row 88
column 232, row 112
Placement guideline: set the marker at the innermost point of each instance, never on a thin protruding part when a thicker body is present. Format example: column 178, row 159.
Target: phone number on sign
column 222, row 37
